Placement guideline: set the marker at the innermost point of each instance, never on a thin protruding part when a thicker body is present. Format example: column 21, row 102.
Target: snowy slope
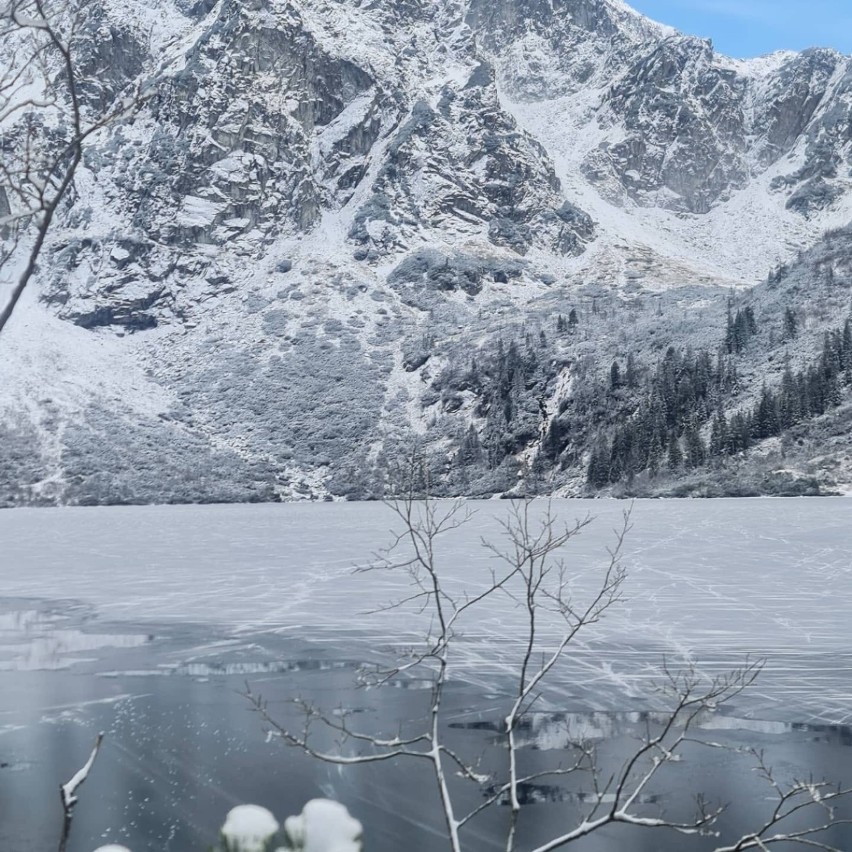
column 262, row 276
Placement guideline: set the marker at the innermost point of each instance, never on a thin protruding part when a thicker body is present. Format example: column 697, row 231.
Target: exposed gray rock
column 445, row 182
column 500, row 183
column 435, row 270
column 594, row 32
column 795, row 94
column 814, row 195
column 111, row 56
column 685, row 129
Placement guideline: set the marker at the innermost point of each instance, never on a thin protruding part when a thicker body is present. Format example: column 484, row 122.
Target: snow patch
column 248, row 828
column 324, row 826
column 196, row 212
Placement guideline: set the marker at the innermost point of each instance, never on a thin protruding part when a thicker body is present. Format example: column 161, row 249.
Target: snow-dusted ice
column 708, row 580
column 146, row 622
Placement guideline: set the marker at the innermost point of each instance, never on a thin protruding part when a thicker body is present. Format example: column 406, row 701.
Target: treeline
column 683, row 413
column 676, row 400
column 681, row 422
column 509, row 383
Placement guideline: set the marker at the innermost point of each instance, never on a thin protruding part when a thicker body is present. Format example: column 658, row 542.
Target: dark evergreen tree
column 675, row 454
column 739, row 433
column 846, row 348
column 739, row 330
column 833, row 395
column 598, row 474
column 791, row 324
column 766, row 422
column 719, row 438
column 470, row 448
column 730, row 341
column 655, row 455
column 631, row 375
column 695, row 451
column 615, row 376
column 789, row 409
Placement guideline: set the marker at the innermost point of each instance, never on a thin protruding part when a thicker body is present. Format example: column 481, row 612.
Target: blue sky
column 745, row 28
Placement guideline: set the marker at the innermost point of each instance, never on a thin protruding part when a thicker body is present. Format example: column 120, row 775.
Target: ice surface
column 709, row 580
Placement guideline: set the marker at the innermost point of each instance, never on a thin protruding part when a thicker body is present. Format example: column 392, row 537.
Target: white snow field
column 708, row 580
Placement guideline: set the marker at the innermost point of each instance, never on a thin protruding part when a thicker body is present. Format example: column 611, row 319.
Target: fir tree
column 719, row 439
column 730, row 342
column 470, row 448
column 766, row 418
column 615, row 376
column 598, row 473
column 655, row 453
column 791, row 324
column 696, row 452
column 789, row 410
column 739, row 434
column 631, row 376
column 675, row 454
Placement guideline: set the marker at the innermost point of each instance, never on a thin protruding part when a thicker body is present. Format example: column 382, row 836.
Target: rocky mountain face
column 345, row 229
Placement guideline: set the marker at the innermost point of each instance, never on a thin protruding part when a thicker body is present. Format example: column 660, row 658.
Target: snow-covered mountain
column 315, row 246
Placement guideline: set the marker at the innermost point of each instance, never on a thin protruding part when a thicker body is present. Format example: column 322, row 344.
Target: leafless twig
column 49, row 127
column 68, row 793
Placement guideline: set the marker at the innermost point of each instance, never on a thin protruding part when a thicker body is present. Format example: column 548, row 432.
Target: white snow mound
column 248, row 828
column 324, row 826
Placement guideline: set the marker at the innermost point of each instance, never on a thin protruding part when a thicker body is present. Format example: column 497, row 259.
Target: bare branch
column 68, row 793
column 40, row 177
column 301, row 741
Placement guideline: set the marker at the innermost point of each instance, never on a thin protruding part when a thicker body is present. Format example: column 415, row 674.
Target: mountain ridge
column 262, row 274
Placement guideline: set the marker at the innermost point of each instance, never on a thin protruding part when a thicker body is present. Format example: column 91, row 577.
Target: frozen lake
column 145, row 621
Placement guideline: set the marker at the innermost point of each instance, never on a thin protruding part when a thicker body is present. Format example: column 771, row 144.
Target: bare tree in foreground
column 43, row 126
column 535, row 578
column 68, row 793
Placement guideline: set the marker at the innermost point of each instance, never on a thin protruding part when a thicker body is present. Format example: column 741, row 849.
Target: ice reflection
column 183, row 748
column 52, row 637
column 242, row 667
column 561, row 731
column 540, row 794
